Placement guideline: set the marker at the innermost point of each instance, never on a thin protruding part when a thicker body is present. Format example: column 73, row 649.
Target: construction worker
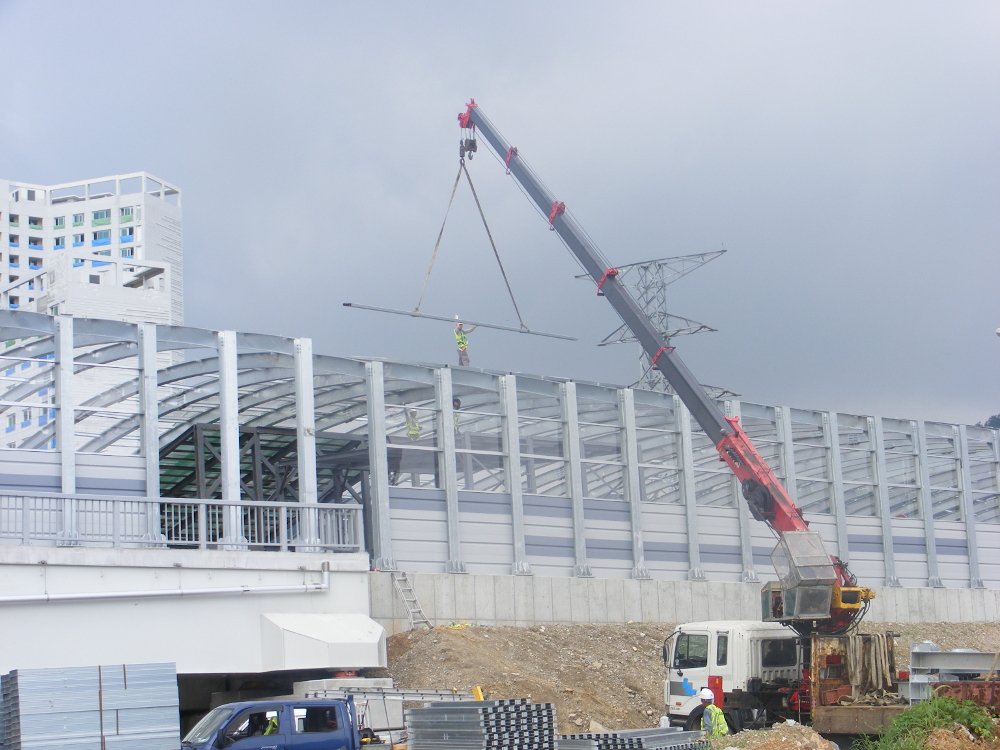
column 713, row 721
column 463, row 343
column 456, row 404
column 412, row 425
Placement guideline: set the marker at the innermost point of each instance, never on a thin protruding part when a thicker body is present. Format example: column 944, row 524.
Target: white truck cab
column 751, row 657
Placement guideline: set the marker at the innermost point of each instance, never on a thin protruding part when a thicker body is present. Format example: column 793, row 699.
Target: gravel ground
column 611, row 675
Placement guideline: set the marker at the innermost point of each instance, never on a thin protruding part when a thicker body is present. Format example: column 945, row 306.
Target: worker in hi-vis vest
column 713, row 721
column 412, row 425
column 463, row 343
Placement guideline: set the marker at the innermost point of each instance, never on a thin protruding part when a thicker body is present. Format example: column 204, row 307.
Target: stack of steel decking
column 122, row 706
column 515, row 724
column 667, row 738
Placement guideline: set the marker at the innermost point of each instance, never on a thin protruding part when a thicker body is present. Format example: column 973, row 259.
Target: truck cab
column 753, row 667
column 278, row 725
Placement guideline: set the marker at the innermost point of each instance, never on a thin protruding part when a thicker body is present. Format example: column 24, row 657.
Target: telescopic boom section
column 767, row 498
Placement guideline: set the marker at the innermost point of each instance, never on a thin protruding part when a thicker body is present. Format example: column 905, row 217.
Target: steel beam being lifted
column 415, row 314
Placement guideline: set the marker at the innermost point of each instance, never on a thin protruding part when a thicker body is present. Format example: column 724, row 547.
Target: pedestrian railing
column 116, row 521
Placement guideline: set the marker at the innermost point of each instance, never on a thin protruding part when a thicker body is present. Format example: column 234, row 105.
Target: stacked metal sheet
column 515, row 724
column 123, row 706
column 665, row 738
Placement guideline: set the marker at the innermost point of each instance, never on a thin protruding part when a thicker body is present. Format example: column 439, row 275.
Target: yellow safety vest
column 716, row 720
column 412, row 428
column 461, row 340
column 272, row 726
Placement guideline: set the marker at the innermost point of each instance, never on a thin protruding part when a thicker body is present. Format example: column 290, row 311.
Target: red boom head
column 463, row 117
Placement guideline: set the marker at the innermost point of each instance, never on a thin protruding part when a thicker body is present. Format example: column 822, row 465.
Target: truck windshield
column 778, row 653
column 205, row 729
column 690, row 651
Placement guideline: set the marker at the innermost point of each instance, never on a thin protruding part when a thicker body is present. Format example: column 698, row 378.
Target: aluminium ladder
column 413, row 610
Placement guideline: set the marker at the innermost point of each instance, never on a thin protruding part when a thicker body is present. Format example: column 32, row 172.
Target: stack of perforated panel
column 515, row 724
column 666, row 738
column 91, row 708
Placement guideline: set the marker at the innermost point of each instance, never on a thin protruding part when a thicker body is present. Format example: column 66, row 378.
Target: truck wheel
column 734, row 721
column 694, row 719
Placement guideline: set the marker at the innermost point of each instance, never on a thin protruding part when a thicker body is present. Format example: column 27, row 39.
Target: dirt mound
column 608, row 674
column 790, row 736
column 982, row 636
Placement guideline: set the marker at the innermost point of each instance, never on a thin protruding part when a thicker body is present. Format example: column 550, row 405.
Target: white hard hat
column 706, row 695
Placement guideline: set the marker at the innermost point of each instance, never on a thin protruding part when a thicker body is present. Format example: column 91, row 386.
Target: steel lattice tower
column 648, row 281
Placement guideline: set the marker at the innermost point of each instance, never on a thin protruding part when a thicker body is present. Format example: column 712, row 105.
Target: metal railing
column 116, row 521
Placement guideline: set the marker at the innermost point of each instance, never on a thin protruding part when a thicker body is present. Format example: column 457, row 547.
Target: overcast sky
column 846, row 154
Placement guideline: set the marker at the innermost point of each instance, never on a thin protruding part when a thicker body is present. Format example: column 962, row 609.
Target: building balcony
column 33, row 267
column 14, row 265
column 77, row 223
column 100, row 222
column 98, row 243
column 124, row 219
column 78, row 244
column 15, row 244
column 126, row 238
column 15, row 224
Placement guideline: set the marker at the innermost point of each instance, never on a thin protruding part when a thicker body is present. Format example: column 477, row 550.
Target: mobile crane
column 816, row 592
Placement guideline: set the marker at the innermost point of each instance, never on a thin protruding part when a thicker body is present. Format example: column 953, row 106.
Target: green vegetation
column 912, row 727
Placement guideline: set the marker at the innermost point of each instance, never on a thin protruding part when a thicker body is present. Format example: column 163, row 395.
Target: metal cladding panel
column 548, row 535
column 486, row 532
column 664, row 540
column 419, row 528
column 826, row 525
column 608, row 526
column 110, row 475
column 864, row 539
column 27, row 471
column 909, row 546
column 719, row 543
column 988, row 544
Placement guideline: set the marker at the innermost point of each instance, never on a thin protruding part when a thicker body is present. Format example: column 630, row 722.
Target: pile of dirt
column 785, row 736
column 611, row 675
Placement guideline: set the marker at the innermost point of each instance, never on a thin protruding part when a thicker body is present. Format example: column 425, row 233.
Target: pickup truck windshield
column 778, row 653
column 691, row 651
column 205, row 729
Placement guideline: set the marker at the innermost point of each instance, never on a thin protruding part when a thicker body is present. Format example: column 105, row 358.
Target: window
column 253, row 722
column 722, row 651
column 102, row 237
column 35, row 242
column 34, row 263
column 31, row 195
column 126, row 234
column 128, row 252
column 778, row 653
column 77, row 240
column 59, row 222
column 53, row 310
column 77, row 220
column 315, row 720
column 34, row 222
column 25, row 417
column 60, row 242
column 14, row 445
column 15, row 240
column 11, row 421
column 102, row 214
column 95, row 278
column 15, row 261
column 15, row 220
column 125, row 214
column 691, row 651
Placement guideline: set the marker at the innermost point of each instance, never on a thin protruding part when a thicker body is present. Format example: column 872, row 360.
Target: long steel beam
column 415, row 314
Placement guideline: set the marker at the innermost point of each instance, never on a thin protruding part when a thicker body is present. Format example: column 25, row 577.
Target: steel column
column 783, row 423
column 229, row 450
column 968, row 509
column 746, row 539
column 378, row 461
column 512, row 450
column 66, row 425
column 571, row 420
column 305, row 442
column 831, row 434
column 919, row 430
column 149, row 433
column 446, row 430
column 884, row 510
column 633, row 483
column 688, row 488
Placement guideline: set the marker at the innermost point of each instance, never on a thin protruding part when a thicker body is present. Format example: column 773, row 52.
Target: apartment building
column 107, row 248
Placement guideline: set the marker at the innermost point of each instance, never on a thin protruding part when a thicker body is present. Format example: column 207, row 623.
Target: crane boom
column 808, row 564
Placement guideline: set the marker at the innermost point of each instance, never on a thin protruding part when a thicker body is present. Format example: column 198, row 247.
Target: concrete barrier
column 539, row 600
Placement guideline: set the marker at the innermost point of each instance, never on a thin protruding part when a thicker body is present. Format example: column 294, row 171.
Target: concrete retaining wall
column 530, row 600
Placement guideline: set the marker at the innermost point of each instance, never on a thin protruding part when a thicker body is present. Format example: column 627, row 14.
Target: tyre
column 694, row 719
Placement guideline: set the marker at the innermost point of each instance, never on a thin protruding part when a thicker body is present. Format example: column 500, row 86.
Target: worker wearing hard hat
column 713, row 721
column 463, row 343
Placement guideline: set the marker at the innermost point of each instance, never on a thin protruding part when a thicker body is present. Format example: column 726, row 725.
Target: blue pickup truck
column 278, row 725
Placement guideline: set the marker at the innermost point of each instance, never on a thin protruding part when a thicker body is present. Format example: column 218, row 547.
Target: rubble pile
column 785, row 736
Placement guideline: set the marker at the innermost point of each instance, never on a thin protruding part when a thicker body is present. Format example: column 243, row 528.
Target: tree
column 993, row 422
